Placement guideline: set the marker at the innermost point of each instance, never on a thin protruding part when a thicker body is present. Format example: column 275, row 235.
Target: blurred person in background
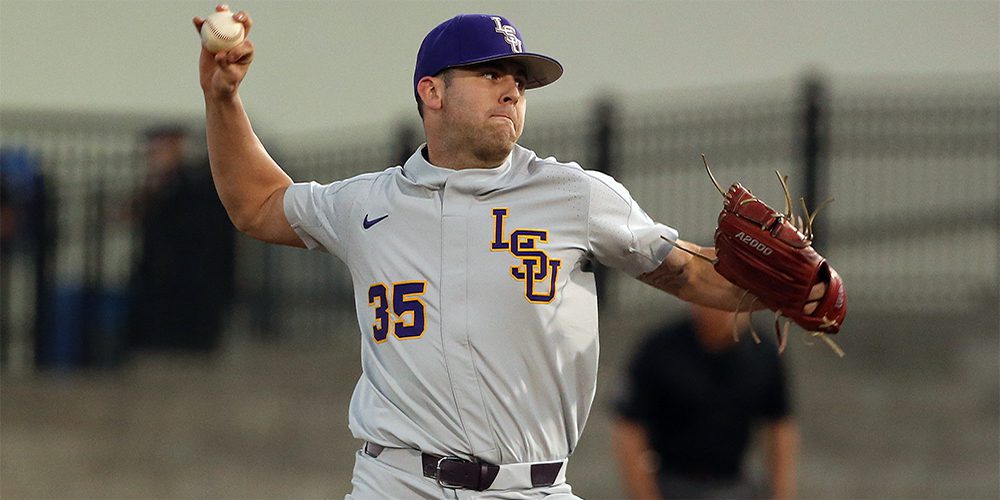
column 25, row 230
column 693, row 397
column 183, row 278
column 21, row 187
column 8, row 224
column 8, row 214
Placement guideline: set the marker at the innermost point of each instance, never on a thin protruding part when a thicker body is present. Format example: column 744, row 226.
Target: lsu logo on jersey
column 537, row 271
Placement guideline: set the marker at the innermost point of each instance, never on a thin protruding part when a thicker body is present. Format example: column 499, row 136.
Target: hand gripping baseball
column 221, row 73
column 770, row 255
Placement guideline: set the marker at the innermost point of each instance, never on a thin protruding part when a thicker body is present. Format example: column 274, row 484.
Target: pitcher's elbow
column 243, row 222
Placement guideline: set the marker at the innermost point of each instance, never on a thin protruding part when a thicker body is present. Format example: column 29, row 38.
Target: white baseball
column 221, row 32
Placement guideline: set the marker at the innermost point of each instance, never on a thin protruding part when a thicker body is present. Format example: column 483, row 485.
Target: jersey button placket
column 456, row 203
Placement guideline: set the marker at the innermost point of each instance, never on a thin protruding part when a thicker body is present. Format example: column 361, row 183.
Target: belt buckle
column 443, row 483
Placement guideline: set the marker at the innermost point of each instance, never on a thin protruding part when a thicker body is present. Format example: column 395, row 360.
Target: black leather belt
column 454, row 472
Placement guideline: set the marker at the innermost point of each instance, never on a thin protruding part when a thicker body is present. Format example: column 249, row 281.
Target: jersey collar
column 477, row 180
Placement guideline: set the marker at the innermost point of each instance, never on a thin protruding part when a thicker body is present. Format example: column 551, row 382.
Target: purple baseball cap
column 475, row 38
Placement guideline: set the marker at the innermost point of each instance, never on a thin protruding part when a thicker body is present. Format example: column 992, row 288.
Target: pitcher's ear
column 429, row 89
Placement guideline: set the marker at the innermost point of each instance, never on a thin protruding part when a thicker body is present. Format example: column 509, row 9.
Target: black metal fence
column 913, row 167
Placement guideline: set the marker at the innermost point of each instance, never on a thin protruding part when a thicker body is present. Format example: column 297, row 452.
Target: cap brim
column 541, row 70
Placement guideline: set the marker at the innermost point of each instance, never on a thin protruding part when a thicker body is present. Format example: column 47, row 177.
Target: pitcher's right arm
column 250, row 183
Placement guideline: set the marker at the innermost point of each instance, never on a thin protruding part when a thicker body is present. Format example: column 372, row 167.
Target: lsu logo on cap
column 509, row 34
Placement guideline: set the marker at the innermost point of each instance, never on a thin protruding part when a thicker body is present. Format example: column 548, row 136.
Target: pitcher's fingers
column 817, row 292
column 244, row 18
column 240, row 54
column 197, row 23
column 810, row 307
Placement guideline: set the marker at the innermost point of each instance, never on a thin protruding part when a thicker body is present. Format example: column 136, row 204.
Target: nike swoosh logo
column 369, row 223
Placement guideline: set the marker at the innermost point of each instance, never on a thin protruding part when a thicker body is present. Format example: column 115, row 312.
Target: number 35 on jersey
column 400, row 300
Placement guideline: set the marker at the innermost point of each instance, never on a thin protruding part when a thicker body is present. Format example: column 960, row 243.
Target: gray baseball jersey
column 477, row 309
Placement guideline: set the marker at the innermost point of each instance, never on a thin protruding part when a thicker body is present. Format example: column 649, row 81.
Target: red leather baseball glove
column 759, row 250
column 762, row 251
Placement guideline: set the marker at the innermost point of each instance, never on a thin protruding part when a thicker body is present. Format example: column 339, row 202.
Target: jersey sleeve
column 620, row 233
column 315, row 211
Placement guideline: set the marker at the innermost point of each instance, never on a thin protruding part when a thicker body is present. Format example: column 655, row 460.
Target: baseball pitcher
column 470, row 263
